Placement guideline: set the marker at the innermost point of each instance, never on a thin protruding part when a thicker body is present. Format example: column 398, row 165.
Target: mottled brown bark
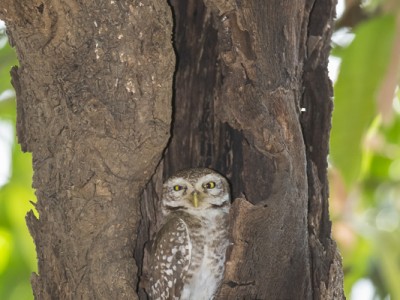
column 94, row 90
column 251, row 98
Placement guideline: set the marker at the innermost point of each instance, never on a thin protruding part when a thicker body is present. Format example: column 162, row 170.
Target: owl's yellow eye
column 178, row 187
column 210, row 185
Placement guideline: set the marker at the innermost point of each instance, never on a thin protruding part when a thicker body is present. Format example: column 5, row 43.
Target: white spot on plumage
column 168, row 272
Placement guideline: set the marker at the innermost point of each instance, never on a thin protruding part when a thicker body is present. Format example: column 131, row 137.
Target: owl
column 188, row 253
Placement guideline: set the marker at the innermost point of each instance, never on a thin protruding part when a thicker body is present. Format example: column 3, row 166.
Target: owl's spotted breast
column 188, row 254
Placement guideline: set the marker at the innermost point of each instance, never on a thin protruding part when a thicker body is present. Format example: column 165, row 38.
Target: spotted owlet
column 188, row 253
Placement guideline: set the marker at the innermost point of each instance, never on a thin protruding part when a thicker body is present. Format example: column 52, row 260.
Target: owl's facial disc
column 195, row 193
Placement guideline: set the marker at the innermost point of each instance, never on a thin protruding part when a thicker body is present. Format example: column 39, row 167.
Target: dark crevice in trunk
column 199, row 138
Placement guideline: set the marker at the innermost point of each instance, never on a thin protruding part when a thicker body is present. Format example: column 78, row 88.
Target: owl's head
column 194, row 190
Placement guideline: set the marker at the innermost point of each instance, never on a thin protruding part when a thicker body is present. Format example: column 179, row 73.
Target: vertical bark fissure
column 257, row 105
column 327, row 276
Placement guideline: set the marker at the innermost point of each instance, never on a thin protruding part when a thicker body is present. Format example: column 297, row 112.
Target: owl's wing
column 171, row 254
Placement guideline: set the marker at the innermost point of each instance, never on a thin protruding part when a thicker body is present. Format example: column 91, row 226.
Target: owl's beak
column 195, row 199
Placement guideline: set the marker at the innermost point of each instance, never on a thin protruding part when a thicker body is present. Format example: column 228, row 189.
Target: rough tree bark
column 251, row 98
column 94, row 90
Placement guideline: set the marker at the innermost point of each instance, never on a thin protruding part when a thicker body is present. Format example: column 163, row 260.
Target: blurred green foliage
column 364, row 63
column 364, row 153
column 17, row 251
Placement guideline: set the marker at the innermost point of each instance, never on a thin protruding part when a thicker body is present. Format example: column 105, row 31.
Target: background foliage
column 365, row 148
column 17, row 252
column 365, row 159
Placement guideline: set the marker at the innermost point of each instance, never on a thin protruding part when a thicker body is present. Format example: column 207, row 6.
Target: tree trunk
column 94, row 92
column 251, row 99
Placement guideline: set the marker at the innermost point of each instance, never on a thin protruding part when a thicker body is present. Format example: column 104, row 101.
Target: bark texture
column 252, row 99
column 94, row 90
column 253, row 96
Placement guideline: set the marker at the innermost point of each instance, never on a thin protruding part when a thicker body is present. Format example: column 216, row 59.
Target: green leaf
column 387, row 250
column 356, row 262
column 14, row 204
column 363, row 67
column 392, row 132
column 7, row 109
column 379, row 168
column 5, row 248
column 8, row 59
